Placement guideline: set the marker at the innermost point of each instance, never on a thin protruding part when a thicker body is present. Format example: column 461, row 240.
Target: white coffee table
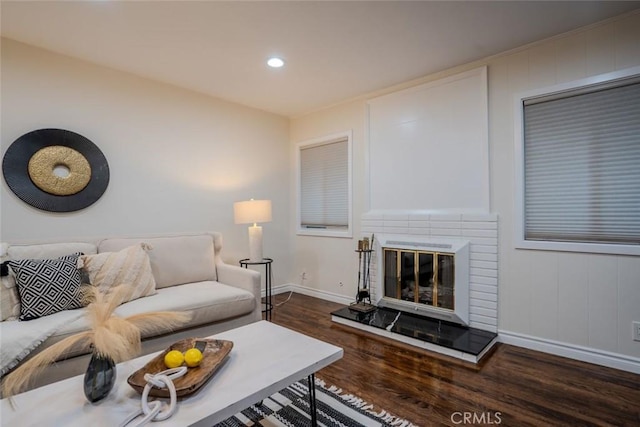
column 265, row 359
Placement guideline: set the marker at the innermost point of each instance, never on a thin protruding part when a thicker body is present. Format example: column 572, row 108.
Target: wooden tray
column 213, row 356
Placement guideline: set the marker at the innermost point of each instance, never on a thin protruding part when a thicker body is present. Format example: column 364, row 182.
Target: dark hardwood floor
column 513, row 386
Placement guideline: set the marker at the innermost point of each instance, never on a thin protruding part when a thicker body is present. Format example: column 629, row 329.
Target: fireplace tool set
column 363, row 297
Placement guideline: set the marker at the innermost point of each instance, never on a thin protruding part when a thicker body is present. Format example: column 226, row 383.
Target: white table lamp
column 253, row 212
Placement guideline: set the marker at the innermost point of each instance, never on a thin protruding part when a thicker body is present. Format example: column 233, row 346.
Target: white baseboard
column 327, row 296
column 584, row 354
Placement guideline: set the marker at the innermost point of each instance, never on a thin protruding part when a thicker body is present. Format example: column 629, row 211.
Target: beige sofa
column 190, row 276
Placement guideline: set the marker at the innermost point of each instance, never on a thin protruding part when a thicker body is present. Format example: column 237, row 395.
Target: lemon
column 173, row 359
column 193, row 357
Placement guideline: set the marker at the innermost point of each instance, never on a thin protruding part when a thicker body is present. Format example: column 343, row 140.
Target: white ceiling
column 333, row 50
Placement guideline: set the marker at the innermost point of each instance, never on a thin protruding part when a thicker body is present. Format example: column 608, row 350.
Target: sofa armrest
column 242, row 278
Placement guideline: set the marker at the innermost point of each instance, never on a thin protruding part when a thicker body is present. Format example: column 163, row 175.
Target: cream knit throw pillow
column 129, row 267
column 9, row 301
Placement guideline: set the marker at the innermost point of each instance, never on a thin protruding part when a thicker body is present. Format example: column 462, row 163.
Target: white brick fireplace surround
column 481, row 230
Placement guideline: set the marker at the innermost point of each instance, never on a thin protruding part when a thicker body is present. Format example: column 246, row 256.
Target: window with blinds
column 581, row 165
column 324, row 171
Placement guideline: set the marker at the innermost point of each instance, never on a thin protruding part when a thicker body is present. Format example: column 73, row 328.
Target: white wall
column 580, row 305
column 178, row 159
column 330, row 264
column 577, row 300
column 419, row 155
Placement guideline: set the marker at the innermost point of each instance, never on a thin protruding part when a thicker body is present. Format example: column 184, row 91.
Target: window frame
column 519, row 219
column 315, row 142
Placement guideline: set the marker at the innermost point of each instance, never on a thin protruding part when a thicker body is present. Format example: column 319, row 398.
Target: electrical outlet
column 636, row 331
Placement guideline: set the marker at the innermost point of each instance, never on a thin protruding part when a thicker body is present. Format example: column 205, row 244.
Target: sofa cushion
column 18, row 339
column 128, row 267
column 10, row 303
column 207, row 301
column 47, row 286
column 174, row 260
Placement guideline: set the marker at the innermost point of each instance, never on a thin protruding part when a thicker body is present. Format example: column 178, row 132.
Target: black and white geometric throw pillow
column 47, row 286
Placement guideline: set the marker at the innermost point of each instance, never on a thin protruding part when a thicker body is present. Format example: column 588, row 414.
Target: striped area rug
column 290, row 408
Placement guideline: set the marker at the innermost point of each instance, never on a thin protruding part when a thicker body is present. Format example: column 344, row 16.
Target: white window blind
column 582, row 165
column 324, row 185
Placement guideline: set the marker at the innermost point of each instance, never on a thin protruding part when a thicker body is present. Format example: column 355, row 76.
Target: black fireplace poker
column 363, row 297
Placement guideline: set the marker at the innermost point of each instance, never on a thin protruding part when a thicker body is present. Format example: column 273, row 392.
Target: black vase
column 99, row 378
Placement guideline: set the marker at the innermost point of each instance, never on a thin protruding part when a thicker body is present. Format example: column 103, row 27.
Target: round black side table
column 267, row 281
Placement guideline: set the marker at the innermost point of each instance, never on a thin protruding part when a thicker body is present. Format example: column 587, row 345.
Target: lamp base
column 255, row 243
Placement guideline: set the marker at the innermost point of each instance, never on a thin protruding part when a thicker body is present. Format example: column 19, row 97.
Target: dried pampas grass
column 111, row 336
column 21, row 377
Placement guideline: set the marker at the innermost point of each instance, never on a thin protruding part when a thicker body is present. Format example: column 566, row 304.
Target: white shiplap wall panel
column 603, row 301
column 628, row 302
column 600, row 50
column 544, row 294
column 542, row 71
column 626, row 42
column 515, row 291
column 572, row 50
column 573, row 297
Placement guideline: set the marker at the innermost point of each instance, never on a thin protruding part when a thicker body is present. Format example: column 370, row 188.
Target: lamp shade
column 252, row 211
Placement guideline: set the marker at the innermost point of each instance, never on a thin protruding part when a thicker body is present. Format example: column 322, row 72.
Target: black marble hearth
column 451, row 337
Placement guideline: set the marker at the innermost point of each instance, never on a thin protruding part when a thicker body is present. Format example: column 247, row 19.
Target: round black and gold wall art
column 56, row 170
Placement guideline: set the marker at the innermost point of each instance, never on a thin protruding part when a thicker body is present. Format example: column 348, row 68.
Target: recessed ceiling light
column 275, row 62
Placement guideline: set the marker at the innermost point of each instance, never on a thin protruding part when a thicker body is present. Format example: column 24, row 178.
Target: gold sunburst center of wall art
column 42, row 170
